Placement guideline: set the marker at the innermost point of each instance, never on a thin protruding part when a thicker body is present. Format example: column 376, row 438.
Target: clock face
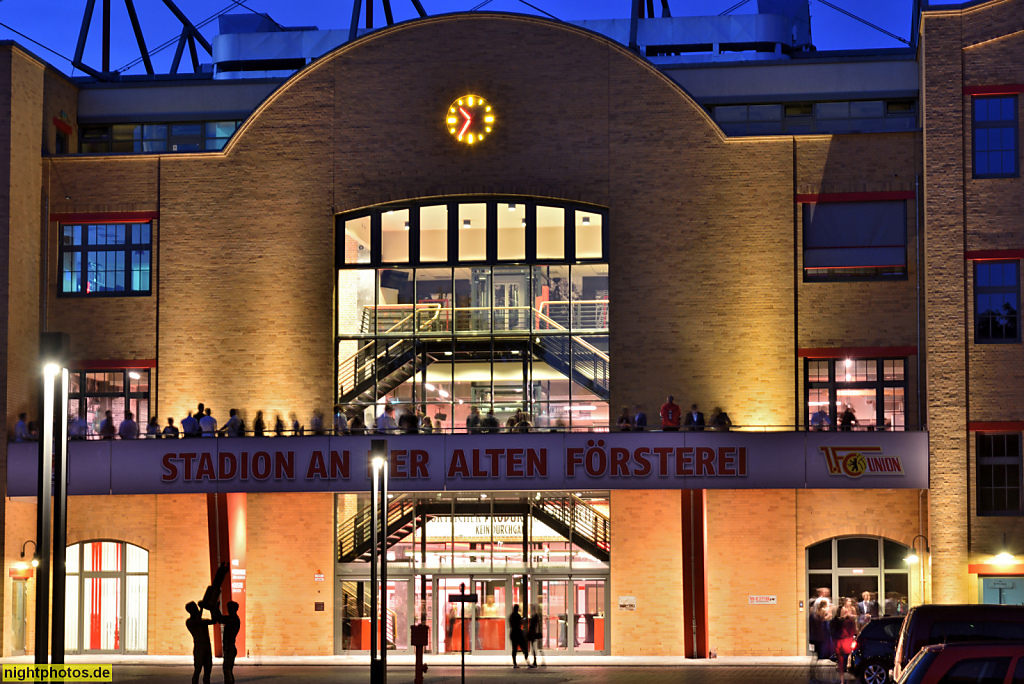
column 469, row 119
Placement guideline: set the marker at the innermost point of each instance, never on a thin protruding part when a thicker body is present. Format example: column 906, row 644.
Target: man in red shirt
column 670, row 414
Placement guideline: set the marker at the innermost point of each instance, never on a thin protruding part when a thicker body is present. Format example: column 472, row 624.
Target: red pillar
column 695, row 582
column 226, row 517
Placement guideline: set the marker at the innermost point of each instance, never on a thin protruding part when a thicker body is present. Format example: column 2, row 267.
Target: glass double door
column 572, row 614
column 480, row 627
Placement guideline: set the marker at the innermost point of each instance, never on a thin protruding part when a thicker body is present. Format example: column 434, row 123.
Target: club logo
column 853, row 462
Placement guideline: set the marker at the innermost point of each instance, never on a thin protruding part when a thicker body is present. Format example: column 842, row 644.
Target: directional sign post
column 463, row 598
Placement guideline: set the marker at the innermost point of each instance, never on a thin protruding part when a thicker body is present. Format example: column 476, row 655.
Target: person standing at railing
column 340, row 420
column 694, row 419
column 79, row 428
column 190, row 426
column 490, row 423
column 624, row 422
column 208, row 424
column 316, row 423
column 170, row 430
column 639, row 419
column 107, row 429
column 474, row 423
column 153, row 428
column 386, row 422
column 670, row 415
column 234, row 424
column 128, row 429
column 259, row 428
column 720, row 420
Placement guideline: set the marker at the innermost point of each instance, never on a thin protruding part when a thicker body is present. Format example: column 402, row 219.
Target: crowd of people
column 833, row 627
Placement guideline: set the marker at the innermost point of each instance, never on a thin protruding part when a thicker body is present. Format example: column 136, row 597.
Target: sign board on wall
column 762, row 599
column 627, row 603
column 572, row 461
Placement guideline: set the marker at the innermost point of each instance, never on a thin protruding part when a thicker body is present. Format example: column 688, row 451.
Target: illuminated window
column 874, row 391
column 107, row 598
column 997, row 301
column 105, row 259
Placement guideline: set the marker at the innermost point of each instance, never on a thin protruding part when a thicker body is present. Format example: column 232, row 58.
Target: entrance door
column 353, row 613
column 551, row 598
column 484, row 623
column 19, row 619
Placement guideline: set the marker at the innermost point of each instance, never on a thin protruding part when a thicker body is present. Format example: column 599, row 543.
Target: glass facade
column 495, row 304
column 105, row 259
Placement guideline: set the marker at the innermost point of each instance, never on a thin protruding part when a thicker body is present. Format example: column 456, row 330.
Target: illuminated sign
column 469, row 119
column 856, row 461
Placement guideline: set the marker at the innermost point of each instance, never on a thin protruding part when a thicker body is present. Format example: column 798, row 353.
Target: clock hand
column 469, row 120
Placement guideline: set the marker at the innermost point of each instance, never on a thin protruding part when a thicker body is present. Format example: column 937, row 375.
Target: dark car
column 875, row 649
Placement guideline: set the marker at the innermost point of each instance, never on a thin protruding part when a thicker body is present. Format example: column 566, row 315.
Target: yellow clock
column 470, row 119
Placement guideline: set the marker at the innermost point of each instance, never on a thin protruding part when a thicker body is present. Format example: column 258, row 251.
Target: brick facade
column 705, row 267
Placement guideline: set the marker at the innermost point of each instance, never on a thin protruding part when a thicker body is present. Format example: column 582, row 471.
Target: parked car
column 966, row 662
column 936, row 624
column 874, row 650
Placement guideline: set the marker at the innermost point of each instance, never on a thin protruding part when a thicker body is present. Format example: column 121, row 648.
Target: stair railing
column 350, row 368
column 581, row 518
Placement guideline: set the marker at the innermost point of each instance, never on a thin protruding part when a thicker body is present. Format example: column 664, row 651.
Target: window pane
column 137, row 558
column 588, row 235
column 102, row 556
column 137, row 605
column 71, row 558
column 472, row 232
column 552, row 292
column 394, row 236
column 472, row 298
column 819, row 556
column 72, row 272
column 894, row 554
column 590, row 297
column 857, row 552
column 395, row 307
column 550, row 233
column 434, row 233
column 512, row 304
column 434, row 300
column 511, row 232
column 357, row 240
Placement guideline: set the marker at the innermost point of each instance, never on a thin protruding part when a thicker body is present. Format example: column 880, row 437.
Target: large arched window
column 107, row 597
column 850, row 566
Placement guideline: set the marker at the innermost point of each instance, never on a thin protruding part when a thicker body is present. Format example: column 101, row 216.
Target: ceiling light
column 524, row 223
column 511, row 207
column 429, row 387
column 1004, row 558
column 133, row 375
column 586, row 220
column 444, row 394
column 407, row 225
column 466, row 223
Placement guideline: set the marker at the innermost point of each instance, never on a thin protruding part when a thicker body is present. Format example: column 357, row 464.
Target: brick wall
column 647, row 563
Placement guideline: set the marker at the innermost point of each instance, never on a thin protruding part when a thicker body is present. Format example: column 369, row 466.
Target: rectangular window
column 995, row 137
column 434, row 233
column 855, row 240
column 394, row 236
column 996, row 301
column 92, row 393
column 511, row 231
column 472, row 232
column 105, row 259
column 999, row 474
column 856, row 394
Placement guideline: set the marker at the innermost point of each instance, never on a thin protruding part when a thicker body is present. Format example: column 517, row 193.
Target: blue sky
column 55, row 23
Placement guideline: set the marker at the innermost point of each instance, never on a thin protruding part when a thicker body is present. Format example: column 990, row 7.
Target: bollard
column 420, row 639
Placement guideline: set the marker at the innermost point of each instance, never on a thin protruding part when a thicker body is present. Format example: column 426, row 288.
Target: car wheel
column 874, row 672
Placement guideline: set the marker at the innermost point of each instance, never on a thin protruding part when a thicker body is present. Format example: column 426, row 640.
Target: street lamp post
column 914, row 558
column 53, row 351
column 379, row 541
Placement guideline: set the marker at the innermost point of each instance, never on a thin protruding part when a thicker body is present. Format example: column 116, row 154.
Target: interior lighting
column 447, row 353
column 483, row 496
column 390, row 212
column 467, row 223
column 429, row 386
column 444, row 394
column 407, row 225
column 524, row 223
column 586, row 220
column 511, row 207
column 133, row 375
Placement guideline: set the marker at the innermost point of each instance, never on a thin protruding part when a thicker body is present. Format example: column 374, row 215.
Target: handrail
column 417, row 308
column 582, row 341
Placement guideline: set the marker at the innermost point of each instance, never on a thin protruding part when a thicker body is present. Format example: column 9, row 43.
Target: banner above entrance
column 493, row 462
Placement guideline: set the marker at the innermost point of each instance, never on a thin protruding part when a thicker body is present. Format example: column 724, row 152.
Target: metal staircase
column 569, row 516
column 573, row 356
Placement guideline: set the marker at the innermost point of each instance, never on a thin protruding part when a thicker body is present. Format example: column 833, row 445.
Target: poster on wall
column 627, row 603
